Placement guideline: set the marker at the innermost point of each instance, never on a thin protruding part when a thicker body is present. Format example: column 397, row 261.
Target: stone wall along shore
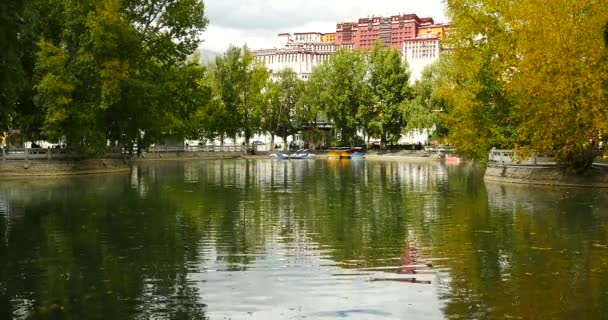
column 550, row 175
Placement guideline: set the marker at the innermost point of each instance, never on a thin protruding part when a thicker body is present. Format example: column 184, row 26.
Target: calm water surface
column 266, row 239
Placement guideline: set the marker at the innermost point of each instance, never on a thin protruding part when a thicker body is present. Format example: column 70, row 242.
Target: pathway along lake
column 268, row 239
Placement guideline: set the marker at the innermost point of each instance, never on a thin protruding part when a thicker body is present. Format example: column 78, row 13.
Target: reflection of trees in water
column 525, row 252
column 106, row 247
column 84, row 248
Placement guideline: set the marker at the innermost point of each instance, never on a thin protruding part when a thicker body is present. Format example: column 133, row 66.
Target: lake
column 324, row 239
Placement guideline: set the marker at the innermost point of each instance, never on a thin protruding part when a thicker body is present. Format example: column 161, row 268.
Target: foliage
column 388, row 82
column 11, row 73
column 427, row 109
column 238, row 82
column 528, row 75
column 344, row 92
column 282, row 97
column 95, row 68
column 312, row 105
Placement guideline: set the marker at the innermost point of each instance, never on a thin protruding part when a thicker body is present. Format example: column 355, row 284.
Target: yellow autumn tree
column 529, row 75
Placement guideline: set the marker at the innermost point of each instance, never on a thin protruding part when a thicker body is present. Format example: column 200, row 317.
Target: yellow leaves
column 113, row 73
column 108, row 28
column 547, row 58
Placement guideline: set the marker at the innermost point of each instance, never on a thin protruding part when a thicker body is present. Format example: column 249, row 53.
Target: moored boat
column 279, row 156
column 344, row 155
column 302, row 154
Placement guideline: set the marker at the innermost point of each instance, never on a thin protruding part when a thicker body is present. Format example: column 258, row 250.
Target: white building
column 419, row 53
column 300, row 52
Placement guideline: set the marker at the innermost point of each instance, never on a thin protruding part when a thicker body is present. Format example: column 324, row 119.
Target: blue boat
column 279, row 156
column 302, row 154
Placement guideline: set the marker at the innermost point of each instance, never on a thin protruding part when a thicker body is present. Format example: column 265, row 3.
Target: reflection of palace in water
column 271, row 174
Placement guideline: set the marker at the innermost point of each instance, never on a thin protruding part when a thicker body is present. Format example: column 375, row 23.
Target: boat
column 345, row 153
column 279, row 156
column 302, row 154
column 357, row 153
column 452, row 160
column 339, row 153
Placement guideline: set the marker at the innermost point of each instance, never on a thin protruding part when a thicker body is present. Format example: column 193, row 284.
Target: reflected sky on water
column 268, row 239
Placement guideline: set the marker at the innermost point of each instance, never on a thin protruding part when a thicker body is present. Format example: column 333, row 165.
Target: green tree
column 388, row 80
column 427, row 109
column 239, row 80
column 312, row 105
column 283, row 95
column 108, row 64
column 11, row 72
column 482, row 114
column 345, row 92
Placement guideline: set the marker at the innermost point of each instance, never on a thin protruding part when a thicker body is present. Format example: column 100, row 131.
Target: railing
column 67, row 154
column 38, row 154
column 205, row 148
column 510, row 157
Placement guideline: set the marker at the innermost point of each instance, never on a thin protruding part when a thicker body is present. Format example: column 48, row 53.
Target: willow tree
column 427, row 109
column 527, row 75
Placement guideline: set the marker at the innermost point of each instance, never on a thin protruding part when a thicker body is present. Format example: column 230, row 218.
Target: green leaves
column 526, row 75
column 116, row 71
column 362, row 91
column 282, row 98
column 238, row 82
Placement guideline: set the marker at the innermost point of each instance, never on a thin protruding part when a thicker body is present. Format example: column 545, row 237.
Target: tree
column 559, row 89
column 527, row 75
column 189, row 97
column 239, row 80
column 388, row 80
column 282, row 95
column 100, row 66
column 11, row 72
column 312, row 106
column 427, row 109
column 345, row 92
column 482, row 114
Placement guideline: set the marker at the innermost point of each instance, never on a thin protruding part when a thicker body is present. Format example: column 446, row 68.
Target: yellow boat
column 333, row 154
column 339, row 153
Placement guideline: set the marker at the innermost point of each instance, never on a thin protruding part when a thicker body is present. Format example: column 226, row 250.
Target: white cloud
column 257, row 23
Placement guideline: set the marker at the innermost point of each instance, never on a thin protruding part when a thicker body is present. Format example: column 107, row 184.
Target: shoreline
column 58, row 168
column 551, row 175
column 93, row 166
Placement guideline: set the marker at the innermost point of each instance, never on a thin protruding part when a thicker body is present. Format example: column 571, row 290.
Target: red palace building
column 392, row 31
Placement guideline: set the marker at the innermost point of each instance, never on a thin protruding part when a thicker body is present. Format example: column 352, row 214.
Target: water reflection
column 293, row 239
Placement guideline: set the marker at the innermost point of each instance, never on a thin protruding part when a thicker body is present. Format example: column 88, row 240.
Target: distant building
column 300, row 52
column 328, row 37
column 418, row 38
column 391, row 31
column 421, row 52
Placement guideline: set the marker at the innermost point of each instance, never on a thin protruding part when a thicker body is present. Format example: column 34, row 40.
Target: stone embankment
column 22, row 168
column 39, row 167
column 547, row 174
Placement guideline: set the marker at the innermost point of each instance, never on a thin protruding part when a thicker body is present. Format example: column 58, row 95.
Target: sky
column 256, row 23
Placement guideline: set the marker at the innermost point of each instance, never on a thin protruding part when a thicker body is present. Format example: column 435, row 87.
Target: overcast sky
column 257, row 23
